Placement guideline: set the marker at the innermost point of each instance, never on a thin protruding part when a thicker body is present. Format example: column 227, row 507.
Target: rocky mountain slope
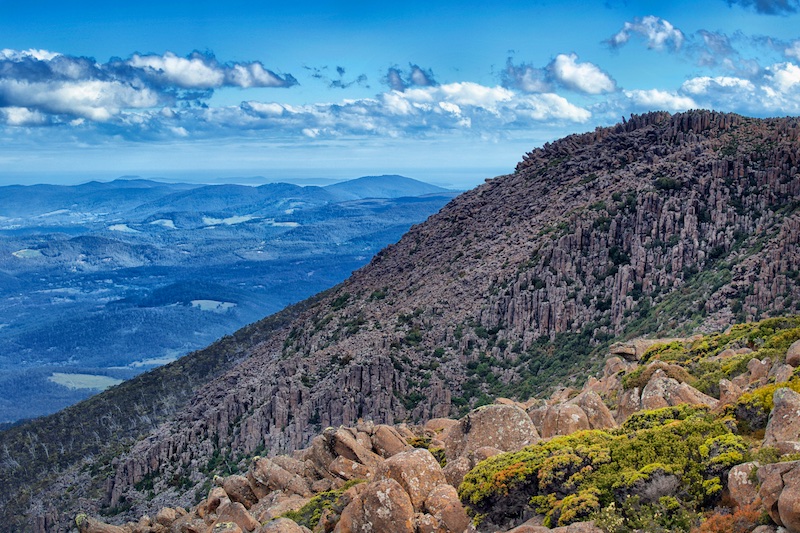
column 660, row 225
column 642, row 447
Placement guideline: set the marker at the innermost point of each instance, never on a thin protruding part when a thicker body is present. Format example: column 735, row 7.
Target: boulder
column 425, row 523
column 783, row 427
column 455, row 470
column 504, row 427
column 629, row 403
column 235, row 512
column 438, row 425
column 597, row 413
column 268, row 474
column 729, row 392
column 290, row 464
column 759, row 370
column 87, row 524
column 347, row 469
column 226, row 527
column 563, row 419
column 276, row 505
column 417, row 472
column 216, row 497
column 484, row 453
column 386, row 441
column 771, row 477
column 624, row 350
column 166, row 516
column 281, row 525
column 344, row 444
column 579, row 527
column 740, row 485
column 188, row 524
column 783, row 373
column 445, row 506
column 663, row 391
column 793, row 354
column 536, row 414
column 382, row 506
column 239, row 490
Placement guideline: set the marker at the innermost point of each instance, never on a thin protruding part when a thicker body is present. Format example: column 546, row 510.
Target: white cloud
column 17, row 55
column 191, row 73
column 252, row 75
column 583, row 77
column 706, row 84
column 656, row 99
column 793, row 50
column 783, row 76
column 657, row 33
column 526, row 78
column 22, row 116
column 551, row 106
column 91, row 99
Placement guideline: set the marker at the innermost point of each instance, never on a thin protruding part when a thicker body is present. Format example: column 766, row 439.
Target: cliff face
column 661, row 224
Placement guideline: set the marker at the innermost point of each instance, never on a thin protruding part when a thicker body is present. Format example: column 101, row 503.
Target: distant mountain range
column 107, row 279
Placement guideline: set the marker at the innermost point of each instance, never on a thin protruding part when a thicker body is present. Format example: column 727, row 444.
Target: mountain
column 386, row 186
column 664, row 224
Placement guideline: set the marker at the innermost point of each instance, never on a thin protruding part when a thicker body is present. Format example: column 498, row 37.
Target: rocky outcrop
column 783, row 427
column 663, row 391
column 780, row 493
column 504, row 427
column 793, row 354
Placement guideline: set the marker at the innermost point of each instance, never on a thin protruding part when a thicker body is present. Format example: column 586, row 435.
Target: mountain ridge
column 511, row 288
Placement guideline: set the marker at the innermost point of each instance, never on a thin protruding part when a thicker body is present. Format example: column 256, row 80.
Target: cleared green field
column 83, row 381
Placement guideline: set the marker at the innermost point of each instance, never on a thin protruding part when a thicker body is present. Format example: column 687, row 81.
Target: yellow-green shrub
column 681, row 450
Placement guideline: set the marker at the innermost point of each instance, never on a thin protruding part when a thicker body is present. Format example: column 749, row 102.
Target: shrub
column 668, row 461
column 310, row 514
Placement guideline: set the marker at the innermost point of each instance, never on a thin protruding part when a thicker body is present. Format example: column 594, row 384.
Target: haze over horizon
column 448, row 93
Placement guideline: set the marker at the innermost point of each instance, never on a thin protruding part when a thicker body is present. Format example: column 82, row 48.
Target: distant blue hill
column 386, row 186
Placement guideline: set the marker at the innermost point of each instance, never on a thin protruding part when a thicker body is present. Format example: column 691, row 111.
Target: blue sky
column 449, row 92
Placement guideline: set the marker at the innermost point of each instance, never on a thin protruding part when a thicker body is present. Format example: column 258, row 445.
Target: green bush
column 310, row 514
column 673, row 458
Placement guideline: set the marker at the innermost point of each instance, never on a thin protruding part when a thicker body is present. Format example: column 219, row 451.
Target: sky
column 447, row 92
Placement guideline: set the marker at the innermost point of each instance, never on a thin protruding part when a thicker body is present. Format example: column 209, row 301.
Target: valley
column 112, row 279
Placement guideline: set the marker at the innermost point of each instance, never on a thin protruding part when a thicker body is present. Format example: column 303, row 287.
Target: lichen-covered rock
column 239, row 490
column 268, row 474
column 386, row 441
column 347, row 469
column 344, row 444
column 663, row 391
column 275, row 505
column 793, row 354
column 563, row 419
column 629, row 403
column 281, row 525
column 728, row 392
column 443, row 504
column 783, row 427
column 235, row 512
column 597, row 412
column 504, row 427
column 782, row 373
column 383, row 506
column 417, row 471
column 741, row 486
column 87, row 524
column 226, row 527
column 439, row 425
column 771, row 479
